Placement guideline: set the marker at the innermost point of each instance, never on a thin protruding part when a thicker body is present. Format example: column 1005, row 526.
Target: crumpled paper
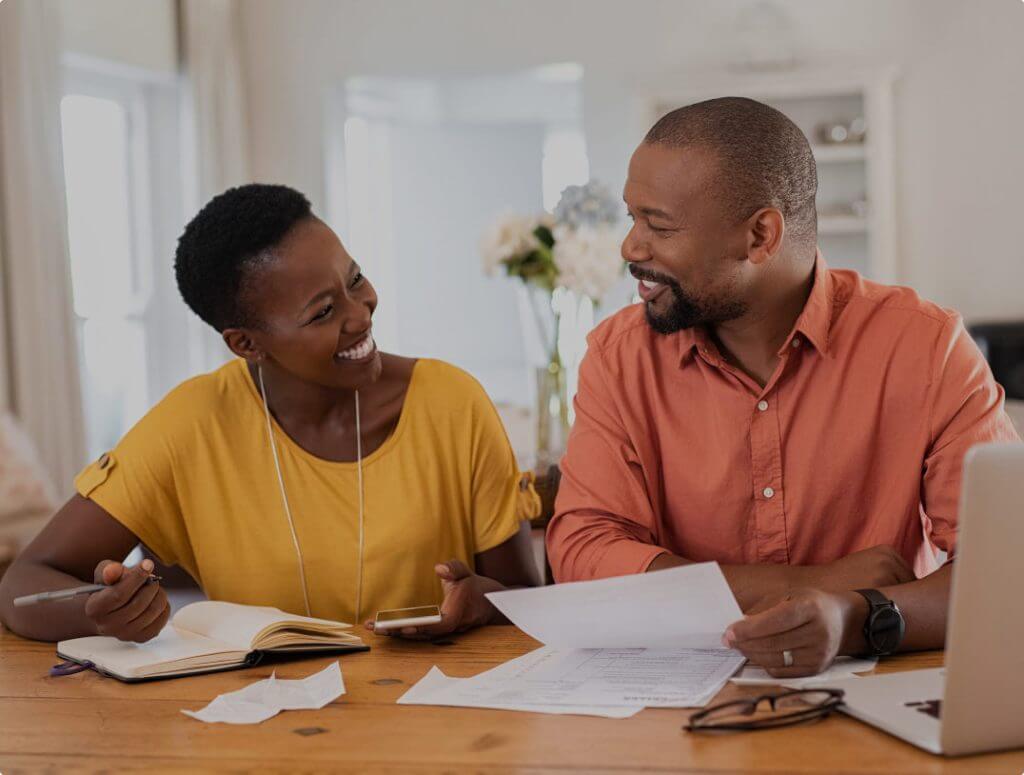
column 264, row 699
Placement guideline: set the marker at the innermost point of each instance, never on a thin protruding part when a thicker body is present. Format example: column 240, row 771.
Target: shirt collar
column 690, row 341
column 816, row 319
column 814, row 322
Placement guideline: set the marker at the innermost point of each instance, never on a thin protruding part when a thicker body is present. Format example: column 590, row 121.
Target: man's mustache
column 653, row 277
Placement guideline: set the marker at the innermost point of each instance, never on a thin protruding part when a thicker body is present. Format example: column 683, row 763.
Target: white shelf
column 842, row 224
column 839, row 153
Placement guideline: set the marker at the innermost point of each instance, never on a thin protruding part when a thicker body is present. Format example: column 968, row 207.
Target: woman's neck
column 322, row 420
column 294, row 402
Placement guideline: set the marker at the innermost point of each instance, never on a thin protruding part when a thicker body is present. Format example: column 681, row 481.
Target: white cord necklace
column 288, row 511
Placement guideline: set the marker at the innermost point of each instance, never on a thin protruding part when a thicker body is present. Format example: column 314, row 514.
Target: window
column 418, row 168
column 108, row 280
column 111, row 128
column 564, row 163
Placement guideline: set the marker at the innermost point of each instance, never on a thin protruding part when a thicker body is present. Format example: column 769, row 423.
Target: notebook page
column 140, row 659
column 240, row 625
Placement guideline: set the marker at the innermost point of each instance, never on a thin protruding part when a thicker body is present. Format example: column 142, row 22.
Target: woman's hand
column 130, row 609
column 464, row 606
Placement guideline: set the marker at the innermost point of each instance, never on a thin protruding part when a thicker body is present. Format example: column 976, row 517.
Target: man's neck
column 752, row 342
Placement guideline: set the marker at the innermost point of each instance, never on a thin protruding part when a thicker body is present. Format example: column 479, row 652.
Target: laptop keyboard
column 928, row 707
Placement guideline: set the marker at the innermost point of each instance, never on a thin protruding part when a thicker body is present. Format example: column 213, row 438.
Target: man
column 802, row 426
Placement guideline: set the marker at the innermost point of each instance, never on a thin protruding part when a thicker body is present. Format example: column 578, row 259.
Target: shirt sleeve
column 967, row 408
column 135, row 484
column 499, row 504
column 604, row 524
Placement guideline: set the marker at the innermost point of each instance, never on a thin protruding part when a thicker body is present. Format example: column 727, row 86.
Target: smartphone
column 406, row 617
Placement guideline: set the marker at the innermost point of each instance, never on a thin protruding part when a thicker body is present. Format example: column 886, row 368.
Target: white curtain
column 215, row 125
column 40, row 354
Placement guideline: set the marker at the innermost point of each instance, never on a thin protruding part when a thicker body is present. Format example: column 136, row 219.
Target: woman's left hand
column 464, row 606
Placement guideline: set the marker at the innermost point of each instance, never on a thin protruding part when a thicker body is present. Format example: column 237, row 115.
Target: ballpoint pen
column 67, row 594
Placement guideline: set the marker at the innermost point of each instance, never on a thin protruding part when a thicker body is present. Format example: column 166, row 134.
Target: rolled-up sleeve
column 967, row 408
column 604, row 524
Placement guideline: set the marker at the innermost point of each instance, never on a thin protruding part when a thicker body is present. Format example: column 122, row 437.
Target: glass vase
column 552, row 412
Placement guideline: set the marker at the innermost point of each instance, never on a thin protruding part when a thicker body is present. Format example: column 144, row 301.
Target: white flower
column 589, row 258
column 587, row 205
column 508, row 237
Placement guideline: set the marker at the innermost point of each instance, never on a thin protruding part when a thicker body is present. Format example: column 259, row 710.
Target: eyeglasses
column 789, row 708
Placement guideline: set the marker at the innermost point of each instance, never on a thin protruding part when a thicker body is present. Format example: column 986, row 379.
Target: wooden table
column 87, row 723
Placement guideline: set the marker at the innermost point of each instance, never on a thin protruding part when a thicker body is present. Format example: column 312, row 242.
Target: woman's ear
column 241, row 343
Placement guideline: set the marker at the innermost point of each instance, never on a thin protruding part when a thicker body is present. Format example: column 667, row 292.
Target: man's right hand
column 879, row 566
column 130, row 609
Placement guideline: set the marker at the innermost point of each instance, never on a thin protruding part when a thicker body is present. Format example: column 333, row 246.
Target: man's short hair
column 231, row 233
column 765, row 160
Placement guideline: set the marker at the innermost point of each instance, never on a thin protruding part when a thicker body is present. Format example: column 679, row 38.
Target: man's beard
column 686, row 310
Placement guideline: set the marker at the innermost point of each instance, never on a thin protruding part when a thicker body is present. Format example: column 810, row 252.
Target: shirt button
column 762, row 406
column 768, row 492
column 796, row 342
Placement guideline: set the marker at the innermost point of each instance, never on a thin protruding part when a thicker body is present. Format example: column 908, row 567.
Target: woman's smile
column 361, row 352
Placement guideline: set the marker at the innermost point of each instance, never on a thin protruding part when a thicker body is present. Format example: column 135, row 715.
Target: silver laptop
column 976, row 702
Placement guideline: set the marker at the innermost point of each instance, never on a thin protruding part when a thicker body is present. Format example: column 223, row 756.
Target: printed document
column 612, row 647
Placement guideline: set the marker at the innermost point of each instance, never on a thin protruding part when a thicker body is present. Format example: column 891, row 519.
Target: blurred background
column 420, row 130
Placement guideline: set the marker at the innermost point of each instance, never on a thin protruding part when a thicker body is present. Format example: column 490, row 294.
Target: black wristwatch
column 884, row 627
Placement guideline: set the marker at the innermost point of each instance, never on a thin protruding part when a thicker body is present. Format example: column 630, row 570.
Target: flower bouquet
column 564, row 260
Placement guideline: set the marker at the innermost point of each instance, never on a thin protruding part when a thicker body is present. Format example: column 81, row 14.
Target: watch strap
column 875, row 598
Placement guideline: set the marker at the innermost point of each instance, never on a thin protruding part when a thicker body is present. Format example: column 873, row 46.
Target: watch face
column 886, row 630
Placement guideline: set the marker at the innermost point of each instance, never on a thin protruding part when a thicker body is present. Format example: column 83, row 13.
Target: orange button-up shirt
column 856, row 440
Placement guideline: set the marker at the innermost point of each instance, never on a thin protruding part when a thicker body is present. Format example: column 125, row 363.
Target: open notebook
column 208, row 636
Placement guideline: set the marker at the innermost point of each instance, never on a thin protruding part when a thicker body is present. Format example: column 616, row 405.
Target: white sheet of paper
column 687, row 607
column 842, row 667
column 484, row 691
column 612, row 646
column 603, row 682
column 654, row 678
column 435, row 688
column 261, row 700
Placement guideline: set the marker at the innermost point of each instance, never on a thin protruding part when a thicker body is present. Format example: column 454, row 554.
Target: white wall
column 959, row 108
column 137, row 33
column 437, row 191
column 961, row 132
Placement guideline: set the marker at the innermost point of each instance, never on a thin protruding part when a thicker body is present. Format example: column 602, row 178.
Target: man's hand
column 813, row 625
column 464, row 606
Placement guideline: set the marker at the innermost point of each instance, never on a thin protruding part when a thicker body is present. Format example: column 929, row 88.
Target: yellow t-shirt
column 195, row 481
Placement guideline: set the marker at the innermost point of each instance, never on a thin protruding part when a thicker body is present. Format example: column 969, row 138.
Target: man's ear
column 767, row 228
column 240, row 341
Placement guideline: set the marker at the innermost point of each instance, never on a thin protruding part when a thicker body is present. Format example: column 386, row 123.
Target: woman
column 313, row 473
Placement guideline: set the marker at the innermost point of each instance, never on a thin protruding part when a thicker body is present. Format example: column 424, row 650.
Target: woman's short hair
column 233, row 232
